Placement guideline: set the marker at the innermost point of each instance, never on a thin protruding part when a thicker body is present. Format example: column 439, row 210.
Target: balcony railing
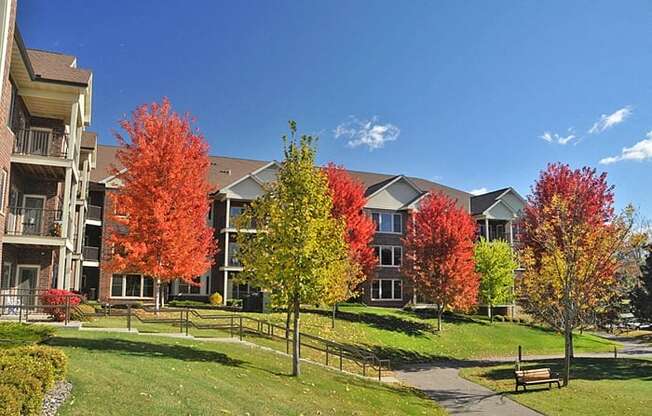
column 34, row 222
column 94, row 213
column 41, row 142
column 91, row 253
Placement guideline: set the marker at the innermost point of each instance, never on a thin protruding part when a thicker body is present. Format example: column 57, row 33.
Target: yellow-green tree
column 494, row 261
column 299, row 254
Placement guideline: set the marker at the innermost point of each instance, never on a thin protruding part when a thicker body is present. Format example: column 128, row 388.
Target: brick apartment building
column 45, row 161
column 236, row 182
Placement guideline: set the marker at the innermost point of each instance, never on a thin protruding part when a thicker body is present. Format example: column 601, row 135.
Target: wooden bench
column 535, row 376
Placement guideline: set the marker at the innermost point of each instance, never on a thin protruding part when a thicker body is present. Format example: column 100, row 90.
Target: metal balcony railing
column 41, row 142
column 91, row 253
column 94, row 213
column 34, row 222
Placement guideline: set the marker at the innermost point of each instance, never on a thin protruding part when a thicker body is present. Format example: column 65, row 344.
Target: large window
column 131, row 286
column 188, row 289
column 387, row 289
column 387, row 222
column 389, row 256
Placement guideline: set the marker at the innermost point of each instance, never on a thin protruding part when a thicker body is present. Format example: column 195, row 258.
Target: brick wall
column 6, row 136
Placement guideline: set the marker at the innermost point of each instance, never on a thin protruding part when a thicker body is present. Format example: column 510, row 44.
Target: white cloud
column 557, row 138
column 610, row 120
column 478, row 191
column 640, row 151
column 367, row 132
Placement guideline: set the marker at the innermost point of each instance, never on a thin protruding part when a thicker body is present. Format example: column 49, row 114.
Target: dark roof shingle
column 57, row 67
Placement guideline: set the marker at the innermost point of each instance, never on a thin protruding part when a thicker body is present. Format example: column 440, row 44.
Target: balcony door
column 33, row 214
column 26, row 283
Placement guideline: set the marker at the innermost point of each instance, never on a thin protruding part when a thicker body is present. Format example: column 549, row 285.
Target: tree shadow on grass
column 146, row 349
column 592, row 369
column 384, row 322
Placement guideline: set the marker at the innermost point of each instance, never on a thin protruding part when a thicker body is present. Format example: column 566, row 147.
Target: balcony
column 41, row 142
column 33, row 222
column 91, row 253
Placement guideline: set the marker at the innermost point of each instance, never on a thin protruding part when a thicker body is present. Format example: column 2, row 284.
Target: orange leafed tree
column 348, row 203
column 439, row 254
column 159, row 221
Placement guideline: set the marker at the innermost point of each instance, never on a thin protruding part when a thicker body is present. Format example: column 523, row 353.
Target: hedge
column 27, row 374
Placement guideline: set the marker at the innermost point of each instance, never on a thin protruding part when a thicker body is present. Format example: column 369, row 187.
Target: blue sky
column 472, row 94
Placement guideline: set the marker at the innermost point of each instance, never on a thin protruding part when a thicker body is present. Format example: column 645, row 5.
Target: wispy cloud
column 478, row 191
column 640, row 151
column 369, row 133
column 609, row 120
column 557, row 138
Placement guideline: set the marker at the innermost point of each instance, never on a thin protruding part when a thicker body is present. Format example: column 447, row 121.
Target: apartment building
column 46, row 157
column 237, row 182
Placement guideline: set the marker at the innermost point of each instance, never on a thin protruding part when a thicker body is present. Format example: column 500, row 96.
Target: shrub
column 187, row 303
column 236, row 303
column 30, row 391
column 215, row 299
column 26, row 365
column 10, row 400
column 59, row 297
column 81, row 312
column 44, row 354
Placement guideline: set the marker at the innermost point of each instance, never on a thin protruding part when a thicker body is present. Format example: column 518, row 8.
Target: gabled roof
column 226, row 171
column 53, row 66
column 483, row 202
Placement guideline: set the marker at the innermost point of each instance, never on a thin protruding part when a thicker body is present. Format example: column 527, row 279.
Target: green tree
column 494, row 261
column 299, row 254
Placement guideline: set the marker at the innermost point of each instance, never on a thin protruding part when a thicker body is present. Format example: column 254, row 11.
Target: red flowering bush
column 59, row 297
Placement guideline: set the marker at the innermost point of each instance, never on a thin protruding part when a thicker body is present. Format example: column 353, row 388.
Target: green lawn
column 14, row 333
column 126, row 374
column 602, row 386
column 404, row 336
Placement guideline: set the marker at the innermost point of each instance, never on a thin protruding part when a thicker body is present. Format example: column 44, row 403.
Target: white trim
column 393, row 248
column 393, row 181
column 380, row 212
column 3, row 194
column 110, row 178
column 5, row 11
column 11, row 274
column 27, row 266
column 251, row 175
column 380, row 290
column 124, row 286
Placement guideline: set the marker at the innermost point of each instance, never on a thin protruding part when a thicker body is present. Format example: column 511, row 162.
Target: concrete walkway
column 442, row 383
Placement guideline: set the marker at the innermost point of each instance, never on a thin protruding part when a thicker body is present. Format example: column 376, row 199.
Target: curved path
column 441, row 381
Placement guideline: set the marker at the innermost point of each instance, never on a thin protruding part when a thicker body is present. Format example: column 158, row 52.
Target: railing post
column 20, row 309
column 364, row 368
column 520, row 358
column 241, row 328
column 615, row 352
column 380, row 371
column 187, row 320
column 326, row 354
column 231, row 327
column 181, row 321
column 129, row 317
column 341, row 358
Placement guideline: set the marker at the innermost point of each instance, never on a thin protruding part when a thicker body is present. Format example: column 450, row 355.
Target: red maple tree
column 571, row 246
column 158, row 226
column 439, row 254
column 348, row 203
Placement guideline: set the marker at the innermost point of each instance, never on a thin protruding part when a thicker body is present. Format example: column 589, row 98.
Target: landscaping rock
column 55, row 398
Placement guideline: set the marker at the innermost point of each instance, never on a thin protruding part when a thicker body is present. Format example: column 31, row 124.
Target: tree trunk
column 296, row 369
column 440, row 311
column 157, row 294
column 572, row 345
column 491, row 316
column 568, row 341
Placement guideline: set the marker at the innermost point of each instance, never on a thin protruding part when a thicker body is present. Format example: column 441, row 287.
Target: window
column 185, row 288
column 234, row 213
column 387, row 289
column 387, row 222
column 389, row 256
column 131, row 286
column 3, row 186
